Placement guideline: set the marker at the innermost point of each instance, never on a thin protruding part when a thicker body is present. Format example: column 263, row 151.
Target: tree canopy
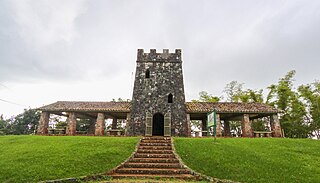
column 301, row 107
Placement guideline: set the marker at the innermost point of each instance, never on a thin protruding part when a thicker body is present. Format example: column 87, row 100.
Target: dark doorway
column 158, row 125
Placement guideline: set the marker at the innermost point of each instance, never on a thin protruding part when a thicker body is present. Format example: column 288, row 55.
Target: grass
column 253, row 160
column 37, row 158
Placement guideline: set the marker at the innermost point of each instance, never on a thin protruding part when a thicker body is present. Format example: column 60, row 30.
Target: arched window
column 147, row 73
column 170, row 98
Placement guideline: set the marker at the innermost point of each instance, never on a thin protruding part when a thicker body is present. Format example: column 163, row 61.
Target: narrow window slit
column 148, row 73
column 170, row 98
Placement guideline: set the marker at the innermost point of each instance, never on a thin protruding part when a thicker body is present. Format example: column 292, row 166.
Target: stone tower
column 158, row 101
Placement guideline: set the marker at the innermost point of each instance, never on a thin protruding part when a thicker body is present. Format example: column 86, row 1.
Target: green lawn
column 35, row 158
column 253, row 160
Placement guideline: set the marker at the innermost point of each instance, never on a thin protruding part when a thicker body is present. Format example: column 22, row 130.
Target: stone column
column 127, row 124
column 219, row 131
column 275, row 126
column 114, row 123
column 246, row 126
column 43, row 123
column 72, row 124
column 227, row 131
column 100, row 125
column 188, row 125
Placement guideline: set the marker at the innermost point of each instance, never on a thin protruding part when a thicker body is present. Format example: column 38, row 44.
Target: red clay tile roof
column 88, row 106
column 229, row 107
column 192, row 107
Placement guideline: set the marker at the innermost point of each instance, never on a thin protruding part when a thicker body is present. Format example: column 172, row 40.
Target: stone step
column 152, row 151
column 145, row 155
column 166, row 171
column 152, row 165
column 154, row 144
column 156, row 141
column 154, row 160
column 156, row 147
column 156, row 138
column 153, row 176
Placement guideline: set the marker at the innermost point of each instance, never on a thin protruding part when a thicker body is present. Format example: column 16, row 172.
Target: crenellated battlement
column 165, row 56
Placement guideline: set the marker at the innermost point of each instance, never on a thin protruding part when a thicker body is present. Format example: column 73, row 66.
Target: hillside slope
column 253, row 159
column 35, row 158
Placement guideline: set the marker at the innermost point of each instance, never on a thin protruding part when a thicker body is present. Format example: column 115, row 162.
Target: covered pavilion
column 225, row 112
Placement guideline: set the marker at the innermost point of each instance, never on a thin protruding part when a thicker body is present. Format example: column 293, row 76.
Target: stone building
column 158, row 101
column 158, row 106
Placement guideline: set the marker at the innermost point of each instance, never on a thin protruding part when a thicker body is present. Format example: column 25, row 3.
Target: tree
column 283, row 97
column 233, row 91
column 311, row 94
column 84, row 125
column 24, row 123
column 205, row 97
column 3, row 126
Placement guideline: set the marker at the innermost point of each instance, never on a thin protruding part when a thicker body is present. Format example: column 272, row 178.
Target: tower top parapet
column 165, row 56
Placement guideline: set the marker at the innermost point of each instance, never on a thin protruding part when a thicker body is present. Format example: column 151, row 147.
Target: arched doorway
column 158, row 124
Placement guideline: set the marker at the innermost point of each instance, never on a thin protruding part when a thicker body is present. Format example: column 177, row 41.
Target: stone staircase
column 154, row 158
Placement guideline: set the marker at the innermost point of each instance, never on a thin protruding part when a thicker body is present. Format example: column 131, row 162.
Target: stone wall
column 151, row 94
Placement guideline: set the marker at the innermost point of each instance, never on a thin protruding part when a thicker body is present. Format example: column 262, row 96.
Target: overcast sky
column 86, row 50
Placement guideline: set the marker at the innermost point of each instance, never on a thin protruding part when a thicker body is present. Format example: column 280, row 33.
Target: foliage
column 235, row 128
column 285, row 98
column 235, row 93
column 267, row 160
column 84, row 124
column 39, row 158
column 233, row 90
column 301, row 107
column 311, row 94
column 3, row 125
column 259, row 125
column 206, row 97
column 25, row 123
column 61, row 125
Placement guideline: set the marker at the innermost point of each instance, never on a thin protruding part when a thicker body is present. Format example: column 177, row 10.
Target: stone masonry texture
column 246, row 126
column 44, row 123
column 100, row 125
column 275, row 126
column 151, row 94
column 72, row 124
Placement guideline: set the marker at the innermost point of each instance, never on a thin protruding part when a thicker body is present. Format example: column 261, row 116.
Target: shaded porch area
column 95, row 113
column 236, row 119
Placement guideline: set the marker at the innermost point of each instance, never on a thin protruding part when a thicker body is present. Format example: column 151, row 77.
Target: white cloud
column 56, row 50
column 44, row 22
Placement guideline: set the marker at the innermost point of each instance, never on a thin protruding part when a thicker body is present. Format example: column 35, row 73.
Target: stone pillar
column 227, row 131
column 72, row 124
column 275, row 126
column 127, row 124
column 188, row 125
column 43, row 123
column 246, row 126
column 114, row 123
column 100, row 125
column 218, row 128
